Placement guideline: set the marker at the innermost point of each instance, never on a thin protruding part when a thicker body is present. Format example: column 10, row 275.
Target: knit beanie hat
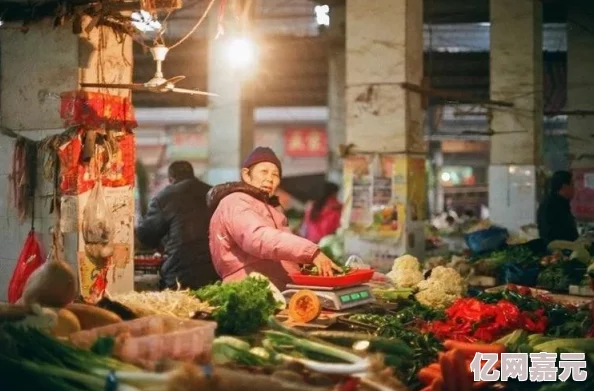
column 261, row 155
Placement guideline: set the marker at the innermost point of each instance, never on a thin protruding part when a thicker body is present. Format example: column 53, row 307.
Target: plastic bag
column 97, row 225
column 30, row 259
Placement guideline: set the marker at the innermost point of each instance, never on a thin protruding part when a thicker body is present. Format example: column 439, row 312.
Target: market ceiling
column 436, row 11
column 294, row 59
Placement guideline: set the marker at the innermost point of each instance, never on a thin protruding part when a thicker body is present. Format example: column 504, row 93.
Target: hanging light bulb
column 241, row 52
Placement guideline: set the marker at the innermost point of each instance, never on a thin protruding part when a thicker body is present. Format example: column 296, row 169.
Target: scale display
column 336, row 299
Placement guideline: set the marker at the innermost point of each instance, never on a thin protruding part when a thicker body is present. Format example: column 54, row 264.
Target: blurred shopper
column 554, row 217
column 322, row 216
column 178, row 217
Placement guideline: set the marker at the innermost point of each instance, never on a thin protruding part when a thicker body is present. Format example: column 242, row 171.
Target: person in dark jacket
column 178, row 218
column 554, row 217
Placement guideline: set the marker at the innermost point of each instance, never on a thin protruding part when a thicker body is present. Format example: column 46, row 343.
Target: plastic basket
column 153, row 338
column 486, row 240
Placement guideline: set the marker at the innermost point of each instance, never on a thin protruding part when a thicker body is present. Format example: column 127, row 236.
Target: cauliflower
column 443, row 287
column 406, row 272
column 406, row 262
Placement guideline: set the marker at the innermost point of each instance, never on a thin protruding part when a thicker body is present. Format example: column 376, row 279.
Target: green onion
column 282, row 339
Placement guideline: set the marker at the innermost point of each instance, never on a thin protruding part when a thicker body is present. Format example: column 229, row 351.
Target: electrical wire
column 193, row 29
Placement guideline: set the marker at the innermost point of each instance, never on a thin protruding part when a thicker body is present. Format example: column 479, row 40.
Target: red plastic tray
column 359, row 276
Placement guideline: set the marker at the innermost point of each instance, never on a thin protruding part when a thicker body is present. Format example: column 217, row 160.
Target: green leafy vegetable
column 559, row 276
column 519, row 255
column 241, row 307
column 313, row 271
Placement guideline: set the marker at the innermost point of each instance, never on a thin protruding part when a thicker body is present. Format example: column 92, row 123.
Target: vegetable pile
column 441, row 289
column 489, row 316
column 470, row 320
column 179, row 303
column 240, row 307
column 452, row 371
column 404, row 325
column 520, row 341
column 313, row 270
column 42, row 362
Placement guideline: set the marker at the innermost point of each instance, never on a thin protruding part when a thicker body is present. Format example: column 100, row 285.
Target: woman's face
column 265, row 176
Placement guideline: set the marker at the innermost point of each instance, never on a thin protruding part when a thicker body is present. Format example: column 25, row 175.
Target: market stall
column 419, row 326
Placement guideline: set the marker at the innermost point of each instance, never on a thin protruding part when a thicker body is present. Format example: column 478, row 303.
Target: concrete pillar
column 35, row 68
column 231, row 114
column 384, row 48
column 516, row 77
column 336, row 127
column 580, row 82
column 580, row 96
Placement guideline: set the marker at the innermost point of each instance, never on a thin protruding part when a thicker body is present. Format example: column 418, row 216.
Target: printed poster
column 372, row 203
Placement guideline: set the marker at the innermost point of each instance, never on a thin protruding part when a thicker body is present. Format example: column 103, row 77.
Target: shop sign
column 308, row 142
column 188, row 145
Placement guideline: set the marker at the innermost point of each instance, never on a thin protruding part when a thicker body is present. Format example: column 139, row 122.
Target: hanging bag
column 30, row 259
column 97, row 226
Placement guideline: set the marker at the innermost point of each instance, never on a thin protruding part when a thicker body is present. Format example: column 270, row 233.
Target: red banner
column 78, row 178
column 96, row 110
column 583, row 201
column 306, row 142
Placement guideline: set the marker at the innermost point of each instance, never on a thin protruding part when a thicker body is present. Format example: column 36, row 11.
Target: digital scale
column 336, row 299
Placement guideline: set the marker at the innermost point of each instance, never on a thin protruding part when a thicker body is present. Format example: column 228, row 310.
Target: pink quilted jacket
column 248, row 234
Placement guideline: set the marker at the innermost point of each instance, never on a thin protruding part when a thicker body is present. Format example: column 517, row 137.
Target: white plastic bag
column 97, row 225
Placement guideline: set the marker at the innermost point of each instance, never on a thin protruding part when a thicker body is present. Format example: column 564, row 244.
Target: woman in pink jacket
column 248, row 231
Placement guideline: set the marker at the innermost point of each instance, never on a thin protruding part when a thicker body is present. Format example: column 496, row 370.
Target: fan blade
column 192, row 92
column 134, row 86
column 176, row 79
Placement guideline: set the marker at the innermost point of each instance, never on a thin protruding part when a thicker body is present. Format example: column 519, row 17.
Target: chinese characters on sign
column 536, row 367
column 308, row 142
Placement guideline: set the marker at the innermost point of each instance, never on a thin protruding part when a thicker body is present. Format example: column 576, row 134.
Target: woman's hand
column 325, row 265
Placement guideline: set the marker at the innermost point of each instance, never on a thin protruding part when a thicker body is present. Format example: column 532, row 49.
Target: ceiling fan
column 158, row 83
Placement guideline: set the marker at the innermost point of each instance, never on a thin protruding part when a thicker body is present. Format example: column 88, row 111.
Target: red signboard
column 306, row 142
column 583, row 201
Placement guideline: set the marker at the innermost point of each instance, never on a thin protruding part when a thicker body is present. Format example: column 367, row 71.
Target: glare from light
column 485, row 24
column 322, row 15
column 445, row 177
column 241, row 52
column 144, row 22
column 1, row 22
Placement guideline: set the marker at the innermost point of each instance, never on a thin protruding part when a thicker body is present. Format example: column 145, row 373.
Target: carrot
column 469, row 362
column 471, row 349
column 447, row 370
column 477, row 385
column 435, row 366
column 437, row 384
column 427, row 375
column 463, row 371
